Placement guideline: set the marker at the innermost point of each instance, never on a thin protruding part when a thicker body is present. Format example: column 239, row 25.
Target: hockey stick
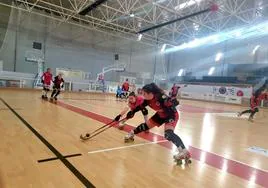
column 99, row 130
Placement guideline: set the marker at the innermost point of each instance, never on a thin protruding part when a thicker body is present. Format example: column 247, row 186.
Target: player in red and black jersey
column 133, row 102
column 125, row 88
column 255, row 101
column 174, row 91
column 166, row 113
column 46, row 79
column 58, row 84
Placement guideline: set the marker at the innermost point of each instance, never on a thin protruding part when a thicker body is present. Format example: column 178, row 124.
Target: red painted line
column 236, row 168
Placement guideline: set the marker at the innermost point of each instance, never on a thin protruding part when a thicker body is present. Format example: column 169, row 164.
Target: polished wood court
column 209, row 129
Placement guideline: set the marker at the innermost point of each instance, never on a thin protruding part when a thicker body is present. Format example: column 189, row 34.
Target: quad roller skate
column 251, row 119
column 129, row 137
column 44, row 97
column 184, row 155
column 239, row 114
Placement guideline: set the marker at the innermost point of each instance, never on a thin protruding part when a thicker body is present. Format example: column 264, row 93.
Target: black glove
column 130, row 114
column 42, row 81
column 62, row 86
column 117, row 118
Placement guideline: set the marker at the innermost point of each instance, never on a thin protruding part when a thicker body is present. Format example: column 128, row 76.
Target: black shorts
column 157, row 119
column 168, row 121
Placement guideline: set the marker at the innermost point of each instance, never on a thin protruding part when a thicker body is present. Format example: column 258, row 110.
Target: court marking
column 56, row 158
column 234, row 167
column 258, row 150
column 126, row 147
column 80, row 176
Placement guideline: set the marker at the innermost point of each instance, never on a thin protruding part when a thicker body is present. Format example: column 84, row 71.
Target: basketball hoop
column 35, row 56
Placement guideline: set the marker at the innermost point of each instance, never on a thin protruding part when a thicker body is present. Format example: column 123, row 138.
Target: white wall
column 68, row 46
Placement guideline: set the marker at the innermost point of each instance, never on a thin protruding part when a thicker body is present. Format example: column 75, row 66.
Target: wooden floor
column 216, row 137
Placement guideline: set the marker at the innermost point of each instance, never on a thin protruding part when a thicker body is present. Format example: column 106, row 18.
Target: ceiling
column 124, row 18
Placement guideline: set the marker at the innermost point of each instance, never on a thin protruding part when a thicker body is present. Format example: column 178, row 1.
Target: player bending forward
column 58, row 84
column 255, row 101
column 166, row 113
column 46, row 81
column 133, row 102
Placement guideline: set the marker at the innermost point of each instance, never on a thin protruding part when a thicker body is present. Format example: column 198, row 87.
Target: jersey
column 58, row 82
column 125, row 86
column 47, row 78
column 139, row 101
column 255, row 101
column 164, row 106
column 174, row 91
column 119, row 91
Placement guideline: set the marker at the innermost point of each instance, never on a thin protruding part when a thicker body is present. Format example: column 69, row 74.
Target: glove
column 117, row 118
column 42, row 81
column 62, row 86
column 130, row 114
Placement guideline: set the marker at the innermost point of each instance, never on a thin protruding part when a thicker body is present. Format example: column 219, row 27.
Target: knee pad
column 142, row 127
column 169, row 134
column 144, row 111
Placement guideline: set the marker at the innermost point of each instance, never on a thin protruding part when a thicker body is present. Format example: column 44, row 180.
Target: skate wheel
column 189, row 161
column 179, row 162
column 129, row 140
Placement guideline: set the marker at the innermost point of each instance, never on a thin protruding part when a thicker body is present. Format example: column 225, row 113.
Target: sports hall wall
column 68, row 46
column 237, row 54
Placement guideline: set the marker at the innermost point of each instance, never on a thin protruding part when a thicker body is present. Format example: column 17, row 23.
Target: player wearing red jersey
column 166, row 113
column 133, row 102
column 46, row 81
column 255, row 101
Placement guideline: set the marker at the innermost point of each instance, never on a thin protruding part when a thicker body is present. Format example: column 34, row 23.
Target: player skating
column 133, row 102
column 255, row 101
column 166, row 113
column 46, row 81
column 58, row 84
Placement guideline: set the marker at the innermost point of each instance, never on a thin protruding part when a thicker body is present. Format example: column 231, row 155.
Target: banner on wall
column 231, row 91
column 226, row 94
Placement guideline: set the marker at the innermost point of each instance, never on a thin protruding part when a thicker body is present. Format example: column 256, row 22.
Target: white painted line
column 125, row 147
column 258, row 150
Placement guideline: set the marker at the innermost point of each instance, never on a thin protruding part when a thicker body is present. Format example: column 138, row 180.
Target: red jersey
column 164, row 107
column 255, row 101
column 174, row 90
column 125, row 86
column 139, row 101
column 47, row 78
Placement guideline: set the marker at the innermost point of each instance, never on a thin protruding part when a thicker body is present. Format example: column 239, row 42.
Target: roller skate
column 183, row 155
column 45, row 97
column 251, row 119
column 51, row 99
column 239, row 114
column 129, row 137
